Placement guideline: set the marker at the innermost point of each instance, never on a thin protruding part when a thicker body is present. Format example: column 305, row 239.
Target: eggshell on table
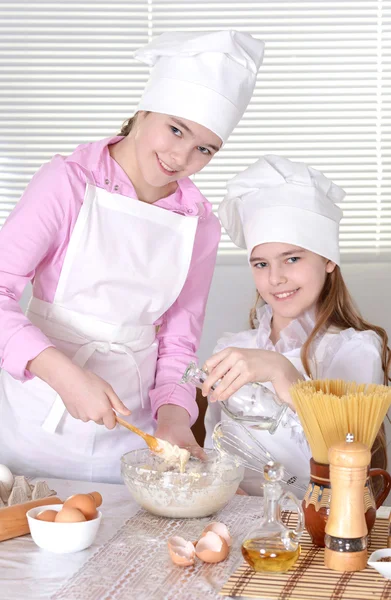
column 47, row 515
column 68, row 514
column 212, row 548
column 181, row 551
column 6, row 477
column 221, row 529
column 83, row 502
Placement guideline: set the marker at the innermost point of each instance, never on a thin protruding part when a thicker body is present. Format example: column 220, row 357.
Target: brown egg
column 181, row 551
column 221, row 529
column 97, row 497
column 68, row 514
column 46, row 515
column 85, row 503
column 212, row 548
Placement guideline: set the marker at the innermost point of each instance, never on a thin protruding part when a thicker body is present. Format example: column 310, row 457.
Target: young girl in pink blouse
column 120, row 247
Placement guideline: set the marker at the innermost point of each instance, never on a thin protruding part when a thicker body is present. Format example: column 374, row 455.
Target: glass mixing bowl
column 203, row 489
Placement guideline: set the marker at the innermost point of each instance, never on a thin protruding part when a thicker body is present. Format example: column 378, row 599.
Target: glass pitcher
column 271, row 546
column 254, row 404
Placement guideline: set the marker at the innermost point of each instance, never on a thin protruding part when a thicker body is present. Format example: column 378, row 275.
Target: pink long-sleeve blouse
column 33, row 244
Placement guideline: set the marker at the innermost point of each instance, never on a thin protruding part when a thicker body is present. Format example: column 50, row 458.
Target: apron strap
column 58, row 409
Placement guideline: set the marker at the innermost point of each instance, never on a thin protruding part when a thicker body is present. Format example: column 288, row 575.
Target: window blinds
column 323, row 94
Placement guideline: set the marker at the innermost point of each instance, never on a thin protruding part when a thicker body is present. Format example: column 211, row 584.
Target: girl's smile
column 286, row 295
column 165, row 168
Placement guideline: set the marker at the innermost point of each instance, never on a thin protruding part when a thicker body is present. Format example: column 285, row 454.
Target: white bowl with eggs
column 62, row 538
column 201, row 490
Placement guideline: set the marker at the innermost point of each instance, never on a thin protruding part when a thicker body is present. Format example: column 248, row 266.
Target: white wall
column 232, row 295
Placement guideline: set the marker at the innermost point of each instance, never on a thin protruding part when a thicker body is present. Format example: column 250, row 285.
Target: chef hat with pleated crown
column 277, row 200
column 205, row 77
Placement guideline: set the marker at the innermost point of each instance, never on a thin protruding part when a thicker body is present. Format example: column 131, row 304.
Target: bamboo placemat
column 309, row 578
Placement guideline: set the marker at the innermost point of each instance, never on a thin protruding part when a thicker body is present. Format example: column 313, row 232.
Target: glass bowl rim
column 236, row 472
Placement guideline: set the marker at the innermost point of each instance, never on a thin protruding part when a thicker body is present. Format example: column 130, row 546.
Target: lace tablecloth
column 135, row 562
column 128, row 559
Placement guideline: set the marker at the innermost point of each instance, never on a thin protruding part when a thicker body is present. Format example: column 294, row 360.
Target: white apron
column 125, row 265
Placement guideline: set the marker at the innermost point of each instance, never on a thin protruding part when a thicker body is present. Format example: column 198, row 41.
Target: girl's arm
column 87, row 396
column 180, row 333
column 30, row 240
column 351, row 355
column 27, row 239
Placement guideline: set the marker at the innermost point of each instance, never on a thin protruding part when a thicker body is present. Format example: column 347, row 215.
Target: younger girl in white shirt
column 285, row 214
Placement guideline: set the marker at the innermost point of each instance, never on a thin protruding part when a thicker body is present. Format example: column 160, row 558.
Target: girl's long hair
column 337, row 308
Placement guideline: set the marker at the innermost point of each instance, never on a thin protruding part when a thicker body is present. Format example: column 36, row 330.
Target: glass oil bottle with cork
column 271, row 546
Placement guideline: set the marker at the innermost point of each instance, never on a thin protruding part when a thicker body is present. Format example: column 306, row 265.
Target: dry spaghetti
column 329, row 409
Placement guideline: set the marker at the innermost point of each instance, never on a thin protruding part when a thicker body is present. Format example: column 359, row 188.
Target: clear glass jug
column 254, row 404
column 271, row 546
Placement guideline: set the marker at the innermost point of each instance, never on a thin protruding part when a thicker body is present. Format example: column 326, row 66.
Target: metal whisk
column 232, row 439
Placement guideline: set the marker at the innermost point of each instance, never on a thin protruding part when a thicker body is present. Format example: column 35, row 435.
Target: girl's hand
column 90, row 398
column 237, row 366
column 86, row 396
column 173, row 425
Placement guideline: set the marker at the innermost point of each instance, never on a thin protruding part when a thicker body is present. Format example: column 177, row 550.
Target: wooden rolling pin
column 13, row 520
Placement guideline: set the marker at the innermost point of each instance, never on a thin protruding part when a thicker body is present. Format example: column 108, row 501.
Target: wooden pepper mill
column 346, row 529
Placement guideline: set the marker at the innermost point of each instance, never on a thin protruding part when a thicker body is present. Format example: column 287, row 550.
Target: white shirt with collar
column 349, row 354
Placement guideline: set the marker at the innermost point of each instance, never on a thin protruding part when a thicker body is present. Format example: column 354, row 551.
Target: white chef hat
column 205, row 77
column 277, row 200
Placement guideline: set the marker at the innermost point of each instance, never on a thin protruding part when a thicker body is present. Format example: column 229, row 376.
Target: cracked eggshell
column 181, row 551
column 212, row 548
column 221, row 529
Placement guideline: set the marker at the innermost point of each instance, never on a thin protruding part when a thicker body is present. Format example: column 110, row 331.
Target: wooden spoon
column 151, row 441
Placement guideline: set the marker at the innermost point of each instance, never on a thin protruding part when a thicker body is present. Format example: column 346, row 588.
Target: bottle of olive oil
column 272, row 547
column 271, row 556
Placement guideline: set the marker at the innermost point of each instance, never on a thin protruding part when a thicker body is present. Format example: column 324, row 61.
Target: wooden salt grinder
column 346, row 528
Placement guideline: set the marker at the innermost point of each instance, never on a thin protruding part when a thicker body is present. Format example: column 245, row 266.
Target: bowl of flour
column 201, row 490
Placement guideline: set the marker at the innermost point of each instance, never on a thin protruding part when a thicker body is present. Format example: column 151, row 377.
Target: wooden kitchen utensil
column 151, row 441
column 13, row 520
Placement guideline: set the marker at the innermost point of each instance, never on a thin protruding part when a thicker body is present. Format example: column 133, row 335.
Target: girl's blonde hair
column 337, row 308
column 128, row 125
